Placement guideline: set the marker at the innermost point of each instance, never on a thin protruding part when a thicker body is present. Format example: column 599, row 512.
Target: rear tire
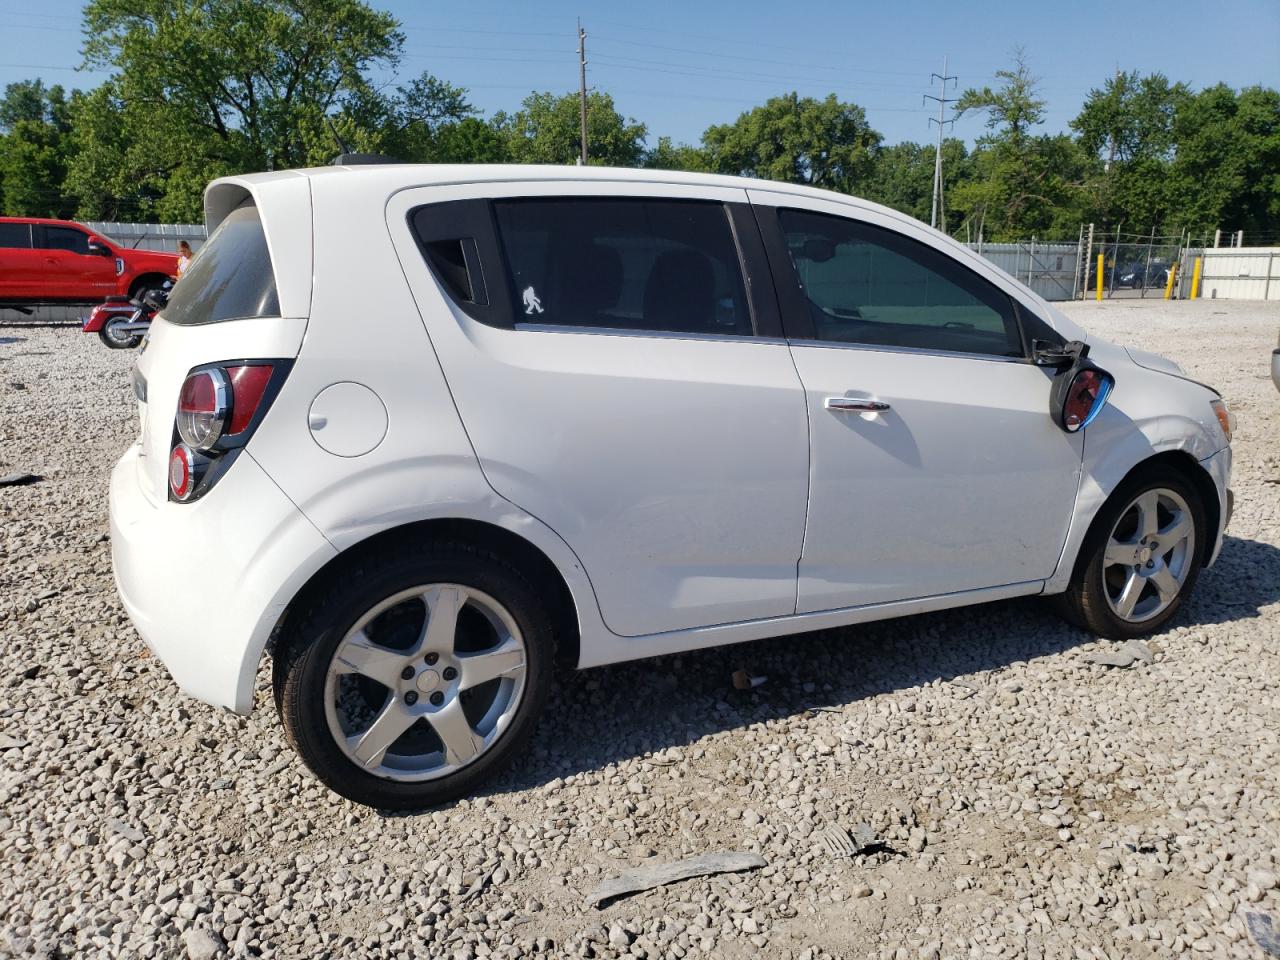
column 117, row 340
column 1141, row 558
column 391, row 713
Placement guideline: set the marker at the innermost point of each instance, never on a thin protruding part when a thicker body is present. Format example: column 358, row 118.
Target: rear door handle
column 855, row 404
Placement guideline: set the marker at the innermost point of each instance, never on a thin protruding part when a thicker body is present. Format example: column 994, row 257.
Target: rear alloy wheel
column 1141, row 559
column 424, row 685
column 118, row 339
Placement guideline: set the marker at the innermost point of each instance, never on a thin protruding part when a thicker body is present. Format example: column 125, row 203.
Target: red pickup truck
column 58, row 261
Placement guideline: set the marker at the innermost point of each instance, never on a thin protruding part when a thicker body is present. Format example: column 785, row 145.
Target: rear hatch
column 226, row 307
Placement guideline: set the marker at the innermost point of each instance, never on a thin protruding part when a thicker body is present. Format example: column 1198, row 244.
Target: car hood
column 1153, row 361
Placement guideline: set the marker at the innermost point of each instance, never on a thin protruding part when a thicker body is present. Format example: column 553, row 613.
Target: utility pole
column 582, row 88
column 938, row 217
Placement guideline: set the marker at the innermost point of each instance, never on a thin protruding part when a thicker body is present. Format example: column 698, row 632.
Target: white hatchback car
column 424, row 431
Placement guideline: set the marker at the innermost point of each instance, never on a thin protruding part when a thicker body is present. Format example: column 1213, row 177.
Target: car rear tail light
column 219, row 407
column 203, row 405
column 182, row 472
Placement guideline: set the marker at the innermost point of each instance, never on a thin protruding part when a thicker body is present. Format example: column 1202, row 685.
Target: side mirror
column 1079, row 394
column 97, row 249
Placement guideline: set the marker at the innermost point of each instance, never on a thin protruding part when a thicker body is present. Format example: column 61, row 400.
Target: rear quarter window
column 231, row 278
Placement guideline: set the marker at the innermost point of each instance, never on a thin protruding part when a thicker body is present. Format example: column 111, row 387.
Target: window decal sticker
column 532, row 302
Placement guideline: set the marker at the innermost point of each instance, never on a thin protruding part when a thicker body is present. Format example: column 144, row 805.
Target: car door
column 75, row 273
column 622, row 377
column 936, row 468
column 19, row 262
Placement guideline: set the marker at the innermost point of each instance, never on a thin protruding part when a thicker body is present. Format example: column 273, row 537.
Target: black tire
column 118, row 343
column 306, row 649
column 144, row 285
column 1085, row 602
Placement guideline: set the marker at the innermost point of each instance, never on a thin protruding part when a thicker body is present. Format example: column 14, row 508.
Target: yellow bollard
column 1195, row 281
column 1101, row 260
column 1168, row 287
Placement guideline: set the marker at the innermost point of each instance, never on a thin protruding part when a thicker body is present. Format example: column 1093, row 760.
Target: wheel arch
column 526, row 556
column 1179, row 461
column 145, row 280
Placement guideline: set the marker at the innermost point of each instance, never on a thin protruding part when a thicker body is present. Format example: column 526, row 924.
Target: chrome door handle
column 855, row 404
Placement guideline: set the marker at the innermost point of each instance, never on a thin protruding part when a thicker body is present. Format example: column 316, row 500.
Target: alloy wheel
column 1149, row 555
column 425, row 682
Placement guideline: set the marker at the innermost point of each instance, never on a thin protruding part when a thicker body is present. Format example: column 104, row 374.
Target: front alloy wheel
column 1149, row 555
column 1141, row 558
column 416, row 675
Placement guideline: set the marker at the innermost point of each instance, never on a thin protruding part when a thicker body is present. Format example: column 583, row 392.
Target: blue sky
column 681, row 66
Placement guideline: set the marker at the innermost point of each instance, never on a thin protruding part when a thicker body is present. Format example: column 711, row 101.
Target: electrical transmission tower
column 937, row 218
column 582, row 88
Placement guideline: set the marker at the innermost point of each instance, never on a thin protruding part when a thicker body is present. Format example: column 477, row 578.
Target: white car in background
column 422, row 431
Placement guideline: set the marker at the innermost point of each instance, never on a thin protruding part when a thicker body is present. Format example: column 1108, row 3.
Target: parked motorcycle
column 121, row 322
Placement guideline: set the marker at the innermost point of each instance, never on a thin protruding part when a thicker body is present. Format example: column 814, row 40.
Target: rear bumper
column 206, row 582
column 1219, row 469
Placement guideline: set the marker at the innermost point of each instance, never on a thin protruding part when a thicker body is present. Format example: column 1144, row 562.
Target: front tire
column 416, row 676
column 1141, row 558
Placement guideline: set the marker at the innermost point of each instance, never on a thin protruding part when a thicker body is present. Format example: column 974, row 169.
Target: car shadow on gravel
column 612, row 714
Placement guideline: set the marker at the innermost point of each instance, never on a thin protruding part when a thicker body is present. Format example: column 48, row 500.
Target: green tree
column 547, row 129
column 1226, row 172
column 232, row 84
column 1024, row 183
column 35, row 124
column 1127, row 127
column 902, row 177
column 823, row 143
column 672, row 156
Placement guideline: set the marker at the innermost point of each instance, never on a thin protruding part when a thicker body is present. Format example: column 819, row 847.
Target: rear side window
column 627, row 264
column 65, row 238
column 15, row 236
column 865, row 284
column 231, row 278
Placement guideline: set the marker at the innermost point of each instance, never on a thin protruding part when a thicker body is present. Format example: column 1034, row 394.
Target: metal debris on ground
column 841, row 845
column 1124, row 655
column 19, row 479
column 1264, row 933
column 661, row 874
column 744, row 681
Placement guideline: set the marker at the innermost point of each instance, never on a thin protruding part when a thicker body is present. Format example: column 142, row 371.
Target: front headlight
column 1226, row 419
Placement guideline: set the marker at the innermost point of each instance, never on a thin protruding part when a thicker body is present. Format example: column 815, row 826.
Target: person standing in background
column 184, row 257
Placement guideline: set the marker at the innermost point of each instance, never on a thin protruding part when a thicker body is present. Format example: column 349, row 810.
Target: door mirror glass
column 1079, row 394
column 97, row 249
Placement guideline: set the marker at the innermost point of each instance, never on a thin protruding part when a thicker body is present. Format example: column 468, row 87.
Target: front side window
column 65, row 238
column 15, row 236
column 231, row 278
column 627, row 264
column 868, row 285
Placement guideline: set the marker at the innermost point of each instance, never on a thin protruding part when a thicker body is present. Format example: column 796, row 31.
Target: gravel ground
column 1028, row 802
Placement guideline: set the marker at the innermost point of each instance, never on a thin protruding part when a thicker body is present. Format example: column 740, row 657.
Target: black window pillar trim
column 793, row 306
column 757, row 276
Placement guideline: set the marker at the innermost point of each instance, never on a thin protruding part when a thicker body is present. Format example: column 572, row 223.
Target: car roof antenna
column 349, row 157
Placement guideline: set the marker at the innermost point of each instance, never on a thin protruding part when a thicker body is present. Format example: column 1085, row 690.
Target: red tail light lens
column 203, row 404
column 248, row 384
column 182, row 478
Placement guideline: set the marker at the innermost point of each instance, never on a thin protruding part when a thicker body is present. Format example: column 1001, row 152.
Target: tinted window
column 230, row 278
column 666, row 265
column 15, row 235
column 865, row 284
column 65, row 238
